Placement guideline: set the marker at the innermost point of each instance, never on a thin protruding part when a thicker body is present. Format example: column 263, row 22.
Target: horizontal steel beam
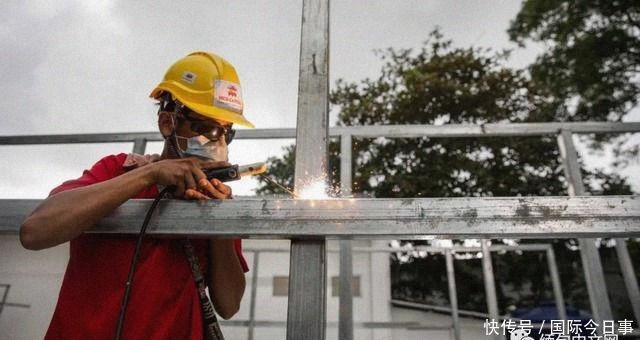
column 372, row 131
column 428, row 249
column 484, row 130
column 413, row 325
column 518, row 217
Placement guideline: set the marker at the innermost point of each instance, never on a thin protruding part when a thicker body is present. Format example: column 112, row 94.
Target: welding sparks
column 314, row 190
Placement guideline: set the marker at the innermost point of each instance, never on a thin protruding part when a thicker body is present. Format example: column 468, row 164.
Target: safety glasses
column 209, row 128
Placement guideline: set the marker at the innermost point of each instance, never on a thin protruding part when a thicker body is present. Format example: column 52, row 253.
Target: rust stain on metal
column 546, row 211
column 523, row 210
column 471, row 215
column 407, row 201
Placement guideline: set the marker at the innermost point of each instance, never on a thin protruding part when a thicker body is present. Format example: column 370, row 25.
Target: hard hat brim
column 204, row 110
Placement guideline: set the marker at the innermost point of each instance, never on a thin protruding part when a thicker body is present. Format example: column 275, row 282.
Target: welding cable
column 134, row 260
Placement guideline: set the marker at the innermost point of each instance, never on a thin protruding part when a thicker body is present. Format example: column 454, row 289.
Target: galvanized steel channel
column 380, row 218
column 591, row 263
column 306, row 315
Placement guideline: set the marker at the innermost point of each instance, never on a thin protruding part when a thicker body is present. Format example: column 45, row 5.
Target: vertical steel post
column 380, row 290
column 555, row 281
column 453, row 294
column 345, row 316
column 489, row 283
column 591, row 263
column 306, row 314
column 254, row 290
column 139, row 145
column 346, row 162
column 345, row 322
column 628, row 273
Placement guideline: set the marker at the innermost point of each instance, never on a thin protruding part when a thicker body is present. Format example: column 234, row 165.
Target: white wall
column 35, row 279
column 372, row 305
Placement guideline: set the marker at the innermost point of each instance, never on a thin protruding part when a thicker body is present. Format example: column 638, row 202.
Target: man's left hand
column 208, row 190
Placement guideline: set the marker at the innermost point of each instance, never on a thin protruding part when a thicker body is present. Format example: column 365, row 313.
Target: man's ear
column 166, row 123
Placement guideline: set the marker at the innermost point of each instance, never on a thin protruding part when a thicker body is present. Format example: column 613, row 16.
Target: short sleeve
column 106, row 168
column 243, row 261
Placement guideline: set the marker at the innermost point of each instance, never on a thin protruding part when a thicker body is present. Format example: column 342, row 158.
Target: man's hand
column 208, row 190
column 187, row 177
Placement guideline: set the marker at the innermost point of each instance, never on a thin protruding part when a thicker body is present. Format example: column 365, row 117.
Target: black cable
column 134, row 261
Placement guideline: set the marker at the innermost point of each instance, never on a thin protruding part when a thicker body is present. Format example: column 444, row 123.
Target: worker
column 199, row 101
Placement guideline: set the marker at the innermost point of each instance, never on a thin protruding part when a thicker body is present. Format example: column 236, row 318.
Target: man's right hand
column 182, row 174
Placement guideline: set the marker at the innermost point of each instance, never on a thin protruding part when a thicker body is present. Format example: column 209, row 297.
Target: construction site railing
column 448, row 252
column 410, row 218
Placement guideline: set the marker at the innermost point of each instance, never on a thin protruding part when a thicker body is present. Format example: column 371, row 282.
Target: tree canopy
column 592, row 58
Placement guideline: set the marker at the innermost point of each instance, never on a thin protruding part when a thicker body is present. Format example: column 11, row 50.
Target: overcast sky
column 88, row 66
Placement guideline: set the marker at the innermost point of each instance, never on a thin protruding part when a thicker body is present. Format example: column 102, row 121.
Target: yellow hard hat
column 206, row 84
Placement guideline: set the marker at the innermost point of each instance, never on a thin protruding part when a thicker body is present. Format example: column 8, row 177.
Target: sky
column 74, row 66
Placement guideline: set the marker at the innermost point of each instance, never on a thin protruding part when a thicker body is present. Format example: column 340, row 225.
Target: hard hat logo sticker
column 189, row 77
column 232, row 91
column 228, row 96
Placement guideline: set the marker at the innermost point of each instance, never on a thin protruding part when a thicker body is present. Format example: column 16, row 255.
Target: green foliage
column 593, row 58
column 280, row 171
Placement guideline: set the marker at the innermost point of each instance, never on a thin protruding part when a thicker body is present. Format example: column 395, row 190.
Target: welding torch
column 235, row 172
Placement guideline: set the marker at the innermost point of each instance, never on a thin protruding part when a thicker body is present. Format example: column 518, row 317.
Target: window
column 335, row 286
column 280, row 286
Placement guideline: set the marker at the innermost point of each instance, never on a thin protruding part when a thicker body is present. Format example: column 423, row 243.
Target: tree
column 440, row 84
column 592, row 62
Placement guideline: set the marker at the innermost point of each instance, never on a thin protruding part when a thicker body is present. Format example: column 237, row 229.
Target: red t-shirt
column 163, row 303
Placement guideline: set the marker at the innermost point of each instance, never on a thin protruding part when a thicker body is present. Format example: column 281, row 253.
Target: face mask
column 201, row 146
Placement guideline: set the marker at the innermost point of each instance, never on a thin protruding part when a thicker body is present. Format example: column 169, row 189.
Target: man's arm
column 65, row 215
column 226, row 277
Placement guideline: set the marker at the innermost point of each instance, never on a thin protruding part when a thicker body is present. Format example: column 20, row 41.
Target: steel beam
column 345, row 316
column 483, row 130
column 629, row 276
column 591, row 263
column 346, row 163
column 489, row 284
column 555, row 282
column 306, row 318
column 453, row 294
column 345, row 312
column 306, row 315
column 139, row 145
column 380, row 218
column 254, row 293
column 374, row 131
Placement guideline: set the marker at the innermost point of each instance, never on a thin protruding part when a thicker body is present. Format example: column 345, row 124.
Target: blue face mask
column 201, row 146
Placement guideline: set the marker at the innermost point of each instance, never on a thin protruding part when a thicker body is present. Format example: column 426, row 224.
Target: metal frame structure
column 448, row 253
column 307, row 296
column 309, row 222
column 521, row 217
